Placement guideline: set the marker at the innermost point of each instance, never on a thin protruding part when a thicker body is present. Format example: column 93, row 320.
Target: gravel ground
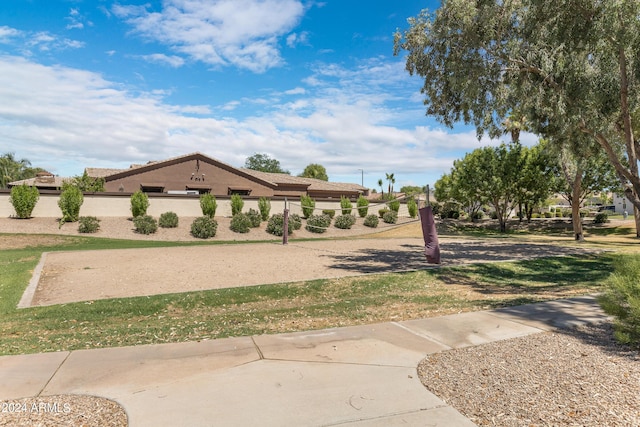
column 62, row 411
column 123, row 228
column 577, row 377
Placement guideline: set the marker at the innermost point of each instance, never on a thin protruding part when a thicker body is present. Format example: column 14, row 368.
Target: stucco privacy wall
column 119, row 205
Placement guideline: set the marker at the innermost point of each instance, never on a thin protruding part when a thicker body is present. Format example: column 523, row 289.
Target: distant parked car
column 611, row 208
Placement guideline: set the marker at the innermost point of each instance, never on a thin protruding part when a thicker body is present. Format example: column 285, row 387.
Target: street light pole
column 362, row 180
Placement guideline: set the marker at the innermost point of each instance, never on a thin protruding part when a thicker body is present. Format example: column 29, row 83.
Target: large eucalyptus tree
column 564, row 65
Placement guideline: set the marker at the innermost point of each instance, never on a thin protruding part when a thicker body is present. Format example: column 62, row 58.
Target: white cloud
column 64, row 119
column 296, row 91
column 161, row 58
column 242, row 33
column 7, row 33
column 45, row 41
column 76, row 19
column 296, row 39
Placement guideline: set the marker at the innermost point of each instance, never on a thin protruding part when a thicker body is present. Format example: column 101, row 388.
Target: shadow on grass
column 411, row 257
column 546, row 274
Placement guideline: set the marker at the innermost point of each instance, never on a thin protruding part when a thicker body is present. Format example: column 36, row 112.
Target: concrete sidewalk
column 353, row 376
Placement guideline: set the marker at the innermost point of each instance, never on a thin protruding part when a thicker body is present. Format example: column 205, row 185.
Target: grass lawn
column 275, row 308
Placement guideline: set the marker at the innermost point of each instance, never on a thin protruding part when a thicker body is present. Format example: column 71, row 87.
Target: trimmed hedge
column 344, row 222
column 390, row 217
column 145, row 224
column 371, row 221
column 204, row 227
column 88, row 224
column 240, row 223
column 318, row 223
column 168, row 220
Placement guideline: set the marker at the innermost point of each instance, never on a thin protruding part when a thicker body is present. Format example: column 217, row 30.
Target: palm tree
column 391, row 179
column 12, row 169
column 381, row 187
column 512, row 126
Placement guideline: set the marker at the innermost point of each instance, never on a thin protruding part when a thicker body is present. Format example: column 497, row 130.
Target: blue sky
column 107, row 84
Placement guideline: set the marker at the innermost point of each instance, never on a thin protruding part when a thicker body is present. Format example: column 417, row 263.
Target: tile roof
column 312, row 183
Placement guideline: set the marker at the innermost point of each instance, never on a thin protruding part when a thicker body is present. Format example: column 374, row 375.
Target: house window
column 152, row 188
column 240, row 191
column 201, row 189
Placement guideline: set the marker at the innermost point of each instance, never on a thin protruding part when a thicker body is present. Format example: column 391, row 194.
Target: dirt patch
column 91, row 275
column 8, row 241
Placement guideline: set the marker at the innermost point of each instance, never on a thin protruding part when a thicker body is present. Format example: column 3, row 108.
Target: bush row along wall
column 119, row 205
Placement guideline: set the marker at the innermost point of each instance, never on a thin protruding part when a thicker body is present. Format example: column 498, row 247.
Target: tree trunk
column 576, row 189
column 636, row 214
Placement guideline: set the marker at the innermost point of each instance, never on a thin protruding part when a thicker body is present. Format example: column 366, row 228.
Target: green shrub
column 254, row 217
column 145, row 224
column 621, row 299
column 344, row 222
column 346, row 205
column 295, row 222
column 275, row 225
column 318, row 223
column 236, row 204
column 70, row 201
column 264, row 205
column 208, row 205
column 477, row 216
column 363, row 206
column 601, row 218
column 204, row 227
column 394, row 205
column 308, row 205
column 240, row 223
column 390, row 217
column 451, row 210
column 88, row 224
column 139, row 204
column 412, row 207
column 168, row 220
column 548, row 214
column 383, row 211
column 371, row 221
column 535, row 215
column 24, row 199
column 329, row 212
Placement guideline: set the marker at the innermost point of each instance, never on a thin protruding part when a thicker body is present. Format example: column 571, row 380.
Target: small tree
column 89, row 184
column 24, row 199
column 208, row 205
column 264, row 205
column 412, row 207
column 236, row 204
column 70, row 201
column 346, row 205
column 308, row 205
column 363, row 206
column 139, row 203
